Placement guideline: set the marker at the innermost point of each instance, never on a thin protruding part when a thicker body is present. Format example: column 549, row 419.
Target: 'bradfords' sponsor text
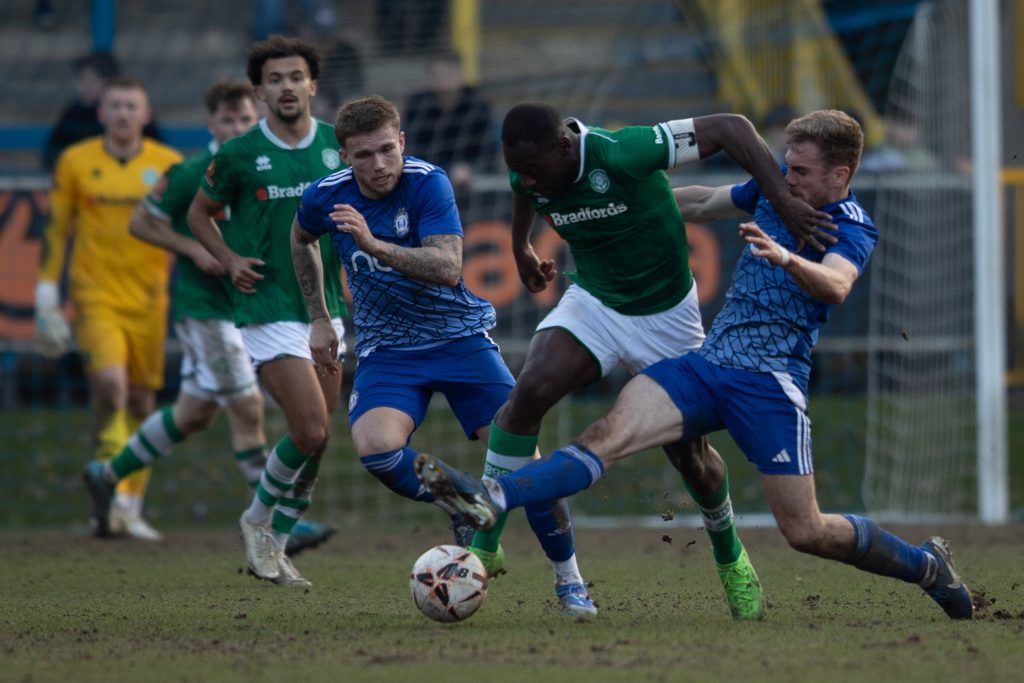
column 588, row 214
column 278, row 192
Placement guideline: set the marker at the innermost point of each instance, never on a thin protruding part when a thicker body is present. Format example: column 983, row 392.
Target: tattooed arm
column 438, row 260
column 323, row 341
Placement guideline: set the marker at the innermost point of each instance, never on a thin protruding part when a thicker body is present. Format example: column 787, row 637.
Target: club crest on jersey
column 263, row 163
column 599, row 181
column 402, row 223
column 330, row 158
column 150, row 176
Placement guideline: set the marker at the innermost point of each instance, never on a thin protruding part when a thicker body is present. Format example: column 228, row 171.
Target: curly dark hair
column 276, row 47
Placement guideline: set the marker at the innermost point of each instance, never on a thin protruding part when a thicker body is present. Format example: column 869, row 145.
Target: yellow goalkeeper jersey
column 92, row 200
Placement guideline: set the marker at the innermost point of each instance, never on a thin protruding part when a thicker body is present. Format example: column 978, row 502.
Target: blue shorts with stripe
column 768, row 423
column 469, row 372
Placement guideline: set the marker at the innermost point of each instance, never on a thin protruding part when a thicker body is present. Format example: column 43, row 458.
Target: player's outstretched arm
column 702, row 204
column 737, row 136
column 829, row 281
column 157, row 230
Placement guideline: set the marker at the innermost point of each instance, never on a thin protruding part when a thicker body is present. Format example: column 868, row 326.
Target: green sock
column 153, row 440
column 505, row 453
column 716, row 511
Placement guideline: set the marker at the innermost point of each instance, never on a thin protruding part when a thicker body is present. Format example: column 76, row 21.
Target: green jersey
column 261, row 179
column 196, row 294
column 620, row 219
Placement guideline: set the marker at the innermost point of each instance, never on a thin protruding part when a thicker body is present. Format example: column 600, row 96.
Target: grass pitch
column 79, row 609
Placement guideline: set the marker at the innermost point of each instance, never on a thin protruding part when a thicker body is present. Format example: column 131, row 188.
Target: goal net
column 921, row 397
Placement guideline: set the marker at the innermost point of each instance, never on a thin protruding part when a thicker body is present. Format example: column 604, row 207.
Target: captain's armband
column 683, row 138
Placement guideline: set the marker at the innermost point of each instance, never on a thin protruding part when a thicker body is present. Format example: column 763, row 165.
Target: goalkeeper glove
column 53, row 335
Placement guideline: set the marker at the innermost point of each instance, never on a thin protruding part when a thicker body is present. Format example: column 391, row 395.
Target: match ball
column 448, row 583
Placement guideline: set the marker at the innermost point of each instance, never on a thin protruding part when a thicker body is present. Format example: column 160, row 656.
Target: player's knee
column 194, row 421
column 309, row 436
column 802, row 536
column 108, row 393
column 140, row 404
column 367, row 444
column 531, row 399
column 246, row 411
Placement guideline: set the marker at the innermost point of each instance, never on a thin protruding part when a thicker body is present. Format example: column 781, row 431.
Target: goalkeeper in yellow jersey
column 117, row 284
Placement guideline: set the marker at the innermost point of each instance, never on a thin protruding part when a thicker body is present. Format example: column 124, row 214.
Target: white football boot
column 260, row 554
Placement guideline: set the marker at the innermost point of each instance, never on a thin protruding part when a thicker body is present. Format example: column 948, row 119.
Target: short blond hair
column 836, row 133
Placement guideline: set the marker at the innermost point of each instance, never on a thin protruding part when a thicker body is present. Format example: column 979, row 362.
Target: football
column 448, row 583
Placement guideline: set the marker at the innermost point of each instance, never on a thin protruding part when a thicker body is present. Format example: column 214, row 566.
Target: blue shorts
column 769, row 424
column 469, row 372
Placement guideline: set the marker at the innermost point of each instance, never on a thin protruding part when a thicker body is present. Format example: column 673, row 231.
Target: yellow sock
column 112, row 436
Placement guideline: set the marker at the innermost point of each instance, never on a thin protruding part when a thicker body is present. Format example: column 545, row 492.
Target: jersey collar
column 578, row 126
column 303, row 144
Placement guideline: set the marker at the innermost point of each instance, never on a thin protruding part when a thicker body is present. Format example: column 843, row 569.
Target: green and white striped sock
column 154, row 439
column 277, row 480
column 292, row 507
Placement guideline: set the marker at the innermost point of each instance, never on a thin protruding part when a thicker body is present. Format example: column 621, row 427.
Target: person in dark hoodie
column 79, row 120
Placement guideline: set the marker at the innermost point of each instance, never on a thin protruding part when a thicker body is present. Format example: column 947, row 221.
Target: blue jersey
column 391, row 309
column 768, row 324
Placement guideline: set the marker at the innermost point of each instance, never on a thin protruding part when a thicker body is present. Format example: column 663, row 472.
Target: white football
column 448, row 583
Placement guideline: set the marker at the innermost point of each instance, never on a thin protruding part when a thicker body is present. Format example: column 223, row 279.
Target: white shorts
column 636, row 341
column 269, row 341
column 214, row 364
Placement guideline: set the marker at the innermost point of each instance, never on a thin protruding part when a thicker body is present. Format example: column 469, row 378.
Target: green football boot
column 742, row 588
column 494, row 562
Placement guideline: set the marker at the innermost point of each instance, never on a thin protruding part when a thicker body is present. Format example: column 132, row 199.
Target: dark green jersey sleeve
column 220, row 182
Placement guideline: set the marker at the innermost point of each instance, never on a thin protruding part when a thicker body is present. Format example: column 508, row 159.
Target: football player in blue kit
column 419, row 330
column 750, row 376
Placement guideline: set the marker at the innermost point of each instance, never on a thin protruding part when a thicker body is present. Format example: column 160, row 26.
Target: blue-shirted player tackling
column 749, row 377
column 419, row 330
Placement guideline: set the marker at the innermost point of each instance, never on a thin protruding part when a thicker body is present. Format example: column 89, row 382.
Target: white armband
column 682, row 137
column 785, row 257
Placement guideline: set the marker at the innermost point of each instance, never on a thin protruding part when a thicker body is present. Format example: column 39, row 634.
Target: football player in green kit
column 633, row 302
column 259, row 177
column 216, row 371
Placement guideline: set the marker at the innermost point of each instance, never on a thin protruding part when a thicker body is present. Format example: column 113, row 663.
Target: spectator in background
column 79, row 118
column 450, row 123
column 313, row 18
column 410, row 26
column 343, row 77
column 902, row 149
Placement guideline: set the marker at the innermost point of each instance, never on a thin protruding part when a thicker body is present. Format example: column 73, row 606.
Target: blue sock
column 552, row 525
column 880, row 552
column 569, row 470
column 395, row 470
